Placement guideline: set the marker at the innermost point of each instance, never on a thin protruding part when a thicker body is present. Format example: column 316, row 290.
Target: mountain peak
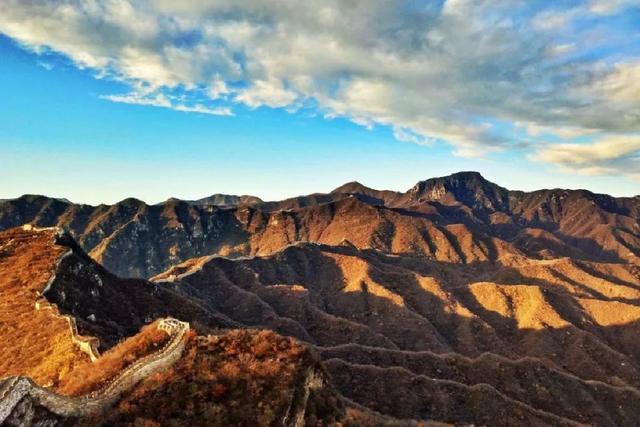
column 468, row 187
column 464, row 176
column 368, row 194
column 353, row 187
column 227, row 200
column 218, row 199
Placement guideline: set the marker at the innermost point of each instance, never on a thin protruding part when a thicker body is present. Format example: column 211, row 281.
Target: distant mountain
column 376, row 197
column 224, row 200
column 467, row 188
column 460, row 218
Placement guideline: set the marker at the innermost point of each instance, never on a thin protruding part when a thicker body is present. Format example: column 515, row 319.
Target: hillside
column 462, row 218
column 541, row 342
column 458, row 301
column 236, row 377
column 232, row 378
column 35, row 342
column 60, row 309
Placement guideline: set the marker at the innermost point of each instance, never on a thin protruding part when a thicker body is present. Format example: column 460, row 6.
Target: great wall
column 22, row 401
column 87, row 345
column 14, row 389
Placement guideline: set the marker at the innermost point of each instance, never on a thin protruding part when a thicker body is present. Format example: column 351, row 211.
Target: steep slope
column 53, row 295
column 467, row 188
column 37, row 343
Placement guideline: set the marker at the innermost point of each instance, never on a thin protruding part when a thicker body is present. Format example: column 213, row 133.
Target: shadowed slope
column 371, row 314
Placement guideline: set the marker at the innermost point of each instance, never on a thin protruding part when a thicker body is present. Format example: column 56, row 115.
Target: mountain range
column 458, row 301
column 461, row 219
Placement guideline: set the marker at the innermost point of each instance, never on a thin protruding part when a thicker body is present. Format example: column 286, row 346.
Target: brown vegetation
column 239, row 378
column 36, row 343
column 92, row 377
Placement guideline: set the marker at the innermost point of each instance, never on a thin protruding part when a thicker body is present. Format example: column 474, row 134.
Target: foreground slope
column 37, row 343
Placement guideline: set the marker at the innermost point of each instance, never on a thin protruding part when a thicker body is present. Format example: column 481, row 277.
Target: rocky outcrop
column 296, row 412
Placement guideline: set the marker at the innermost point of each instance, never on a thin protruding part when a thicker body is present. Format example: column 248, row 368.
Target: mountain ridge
column 348, row 187
column 457, row 218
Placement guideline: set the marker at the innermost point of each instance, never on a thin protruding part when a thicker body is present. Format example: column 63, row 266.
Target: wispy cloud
column 161, row 100
column 430, row 71
column 46, row 65
column 607, row 155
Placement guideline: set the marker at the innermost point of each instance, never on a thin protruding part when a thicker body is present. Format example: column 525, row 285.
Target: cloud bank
column 482, row 76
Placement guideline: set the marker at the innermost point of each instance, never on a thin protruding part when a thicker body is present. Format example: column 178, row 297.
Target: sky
column 103, row 100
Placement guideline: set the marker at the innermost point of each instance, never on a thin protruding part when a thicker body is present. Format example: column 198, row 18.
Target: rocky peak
column 468, row 188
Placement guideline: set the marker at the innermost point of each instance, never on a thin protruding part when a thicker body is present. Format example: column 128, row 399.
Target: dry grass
column 35, row 343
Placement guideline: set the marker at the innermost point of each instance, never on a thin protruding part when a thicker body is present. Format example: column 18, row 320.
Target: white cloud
column 271, row 93
column 157, row 100
column 431, row 73
column 406, row 135
column 561, row 49
column 609, row 7
column 608, row 155
column 161, row 100
column 555, row 19
column 563, row 132
column 199, row 108
column 46, row 65
column 621, row 85
column 218, row 89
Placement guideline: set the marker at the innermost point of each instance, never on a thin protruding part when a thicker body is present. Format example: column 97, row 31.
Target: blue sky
column 106, row 100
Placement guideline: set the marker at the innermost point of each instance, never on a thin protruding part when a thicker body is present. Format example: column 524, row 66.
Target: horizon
column 154, row 100
column 67, row 200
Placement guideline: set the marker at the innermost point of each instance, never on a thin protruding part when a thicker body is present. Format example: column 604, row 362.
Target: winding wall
column 14, row 389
